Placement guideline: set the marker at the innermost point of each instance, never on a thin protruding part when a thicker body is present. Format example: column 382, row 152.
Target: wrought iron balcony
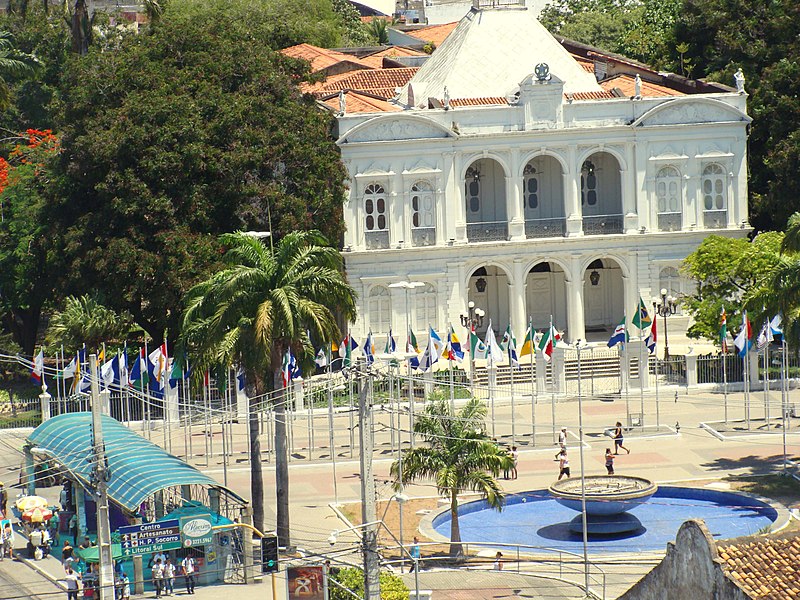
column 423, row 236
column 670, row 221
column 487, row 231
column 545, row 228
column 602, row 224
column 715, row 219
column 375, row 240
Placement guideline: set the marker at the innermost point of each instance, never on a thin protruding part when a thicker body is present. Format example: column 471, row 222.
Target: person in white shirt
column 72, row 580
column 158, row 577
column 189, row 573
column 169, row 577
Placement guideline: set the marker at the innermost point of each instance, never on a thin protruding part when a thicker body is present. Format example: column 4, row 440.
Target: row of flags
column 152, row 370
column 743, row 342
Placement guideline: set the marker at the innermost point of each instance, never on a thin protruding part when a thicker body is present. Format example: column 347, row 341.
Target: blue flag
column 620, row 335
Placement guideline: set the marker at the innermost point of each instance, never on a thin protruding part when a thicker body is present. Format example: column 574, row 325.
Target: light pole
column 471, row 320
column 408, row 285
column 666, row 308
column 578, row 347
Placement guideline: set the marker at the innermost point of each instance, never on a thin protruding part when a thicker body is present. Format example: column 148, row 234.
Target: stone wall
column 691, row 569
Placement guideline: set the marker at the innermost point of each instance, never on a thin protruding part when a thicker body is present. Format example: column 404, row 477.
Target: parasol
column 26, row 503
column 37, row 515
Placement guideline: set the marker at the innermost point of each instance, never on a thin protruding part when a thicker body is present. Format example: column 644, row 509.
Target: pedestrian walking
column 609, row 461
column 72, row 580
column 125, row 587
column 7, row 549
column 563, row 465
column 189, row 573
column 169, row 577
column 498, row 561
column 3, row 500
column 562, row 442
column 158, row 577
column 618, row 439
column 515, row 459
column 415, row 555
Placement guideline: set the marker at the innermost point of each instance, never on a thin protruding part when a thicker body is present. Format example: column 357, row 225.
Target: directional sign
column 150, row 537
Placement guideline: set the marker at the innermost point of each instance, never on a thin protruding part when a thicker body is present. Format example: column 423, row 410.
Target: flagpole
column 331, row 440
column 627, row 369
column 513, row 404
column 641, row 377
column 146, row 389
column 450, row 364
column 165, row 408
column 658, row 408
column 725, row 380
column 533, row 384
column 552, row 383
column 784, row 402
column 768, row 335
column 746, row 385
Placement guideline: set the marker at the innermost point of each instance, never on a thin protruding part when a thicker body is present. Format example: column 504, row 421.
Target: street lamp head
column 471, row 304
column 332, row 538
column 663, row 292
column 480, row 312
column 401, row 498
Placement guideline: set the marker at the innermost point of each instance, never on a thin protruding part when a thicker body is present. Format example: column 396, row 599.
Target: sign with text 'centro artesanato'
column 196, row 531
column 150, row 537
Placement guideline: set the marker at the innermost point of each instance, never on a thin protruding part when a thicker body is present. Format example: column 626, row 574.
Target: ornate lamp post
column 472, row 320
column 666, row 308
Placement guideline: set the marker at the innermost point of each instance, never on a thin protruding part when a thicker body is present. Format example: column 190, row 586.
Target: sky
column 385, row 6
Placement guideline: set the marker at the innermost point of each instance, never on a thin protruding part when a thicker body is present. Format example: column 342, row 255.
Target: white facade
column 545, row 205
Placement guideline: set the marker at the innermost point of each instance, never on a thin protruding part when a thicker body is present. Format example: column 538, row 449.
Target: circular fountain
column 608, row 500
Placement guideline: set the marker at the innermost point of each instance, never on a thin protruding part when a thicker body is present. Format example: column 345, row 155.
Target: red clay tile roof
column 766, row 569
column 380, row 82
column 358, row 102
column 477, row 101
column 320, row 58
column 376, row 60
column 605, row 95
column 626, row 84
column 433, row 33
column 588, row 65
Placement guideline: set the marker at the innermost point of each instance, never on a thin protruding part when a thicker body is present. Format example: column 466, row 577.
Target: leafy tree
column 263, row 303
column 378, row 29
column 459, row 457
column 13, row 62
column 780, row 293
column 355, row 34
column 392, row 587
column 729, row 273
column 85, row 320
column 177, row 135
column 26, row 262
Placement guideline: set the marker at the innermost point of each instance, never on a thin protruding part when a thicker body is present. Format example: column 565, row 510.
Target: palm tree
column 459, row 457
column 781, row 291
column 265, row 302
column 85, row 320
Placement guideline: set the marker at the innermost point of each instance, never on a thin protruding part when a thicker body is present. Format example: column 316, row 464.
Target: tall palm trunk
column 256, row 475
column 281, row 466
column 456, row 551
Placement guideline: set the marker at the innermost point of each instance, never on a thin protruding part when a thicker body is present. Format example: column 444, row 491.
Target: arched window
column 715, row 196
column 426, row 307
column 375, row 208
column 669, row 278
column 588, row 184
column 531, row 179
column 423, row 214
column 472, row 190
column 379, row 308
column 669, row 199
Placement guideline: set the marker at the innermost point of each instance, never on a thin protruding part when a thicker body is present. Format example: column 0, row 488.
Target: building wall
column 691, row 569
column 664, row 144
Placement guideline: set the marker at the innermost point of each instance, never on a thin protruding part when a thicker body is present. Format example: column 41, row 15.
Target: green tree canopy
column 84, row 320
column 730, row 273
column 176, row 135
column 458, row 456
column 392, row 587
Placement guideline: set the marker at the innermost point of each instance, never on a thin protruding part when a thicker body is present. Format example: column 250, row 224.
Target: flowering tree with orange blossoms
column 26, row 258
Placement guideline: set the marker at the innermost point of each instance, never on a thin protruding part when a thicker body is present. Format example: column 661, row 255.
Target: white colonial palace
column 534, row 177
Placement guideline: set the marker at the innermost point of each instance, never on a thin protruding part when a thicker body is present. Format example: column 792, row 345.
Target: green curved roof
column 139, row 468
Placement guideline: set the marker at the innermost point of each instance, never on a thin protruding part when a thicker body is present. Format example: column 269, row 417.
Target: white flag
column 493, row 350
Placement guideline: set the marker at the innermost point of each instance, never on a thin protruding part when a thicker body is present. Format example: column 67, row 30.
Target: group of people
column 163, row 572
column 563, row 459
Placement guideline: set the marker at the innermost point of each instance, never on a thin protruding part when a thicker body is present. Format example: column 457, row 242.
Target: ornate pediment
column 691, row 111
column 392, row 129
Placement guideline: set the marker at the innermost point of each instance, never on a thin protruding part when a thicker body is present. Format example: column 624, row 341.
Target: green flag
column 476, row 347
column 641, row 318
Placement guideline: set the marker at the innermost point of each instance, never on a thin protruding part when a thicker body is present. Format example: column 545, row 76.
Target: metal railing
column 20, row 412
column 670, row 221
column 602, row 224
column 715, row 219
column 546, row 228
column 423, row 236
column 487, row 231
column 376, row 240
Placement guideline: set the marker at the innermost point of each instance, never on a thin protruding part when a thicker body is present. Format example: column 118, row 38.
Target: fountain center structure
column 608, row 500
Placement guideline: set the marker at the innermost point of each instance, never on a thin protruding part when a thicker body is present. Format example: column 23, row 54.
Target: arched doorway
column 601, row 195
column 543, row 198
column 603, row 295
column 546, row 296
column 485, row 198
column 488, row 289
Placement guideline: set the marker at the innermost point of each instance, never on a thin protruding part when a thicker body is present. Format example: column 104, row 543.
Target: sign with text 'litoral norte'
column 150, row 537
column 196, row 530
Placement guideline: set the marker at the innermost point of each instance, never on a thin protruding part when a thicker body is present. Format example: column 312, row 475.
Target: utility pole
column 372, row 585
column 99, row 479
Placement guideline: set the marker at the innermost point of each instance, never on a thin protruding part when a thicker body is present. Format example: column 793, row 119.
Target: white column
column 396, row 206
column 559, row 370
column 576, row 328
column 517, row 294
column 627, row 178
column 691, row 370
column 572, row 192
column 455, row 299
column 516, row 221
column 740, row 187
column 456, row 201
